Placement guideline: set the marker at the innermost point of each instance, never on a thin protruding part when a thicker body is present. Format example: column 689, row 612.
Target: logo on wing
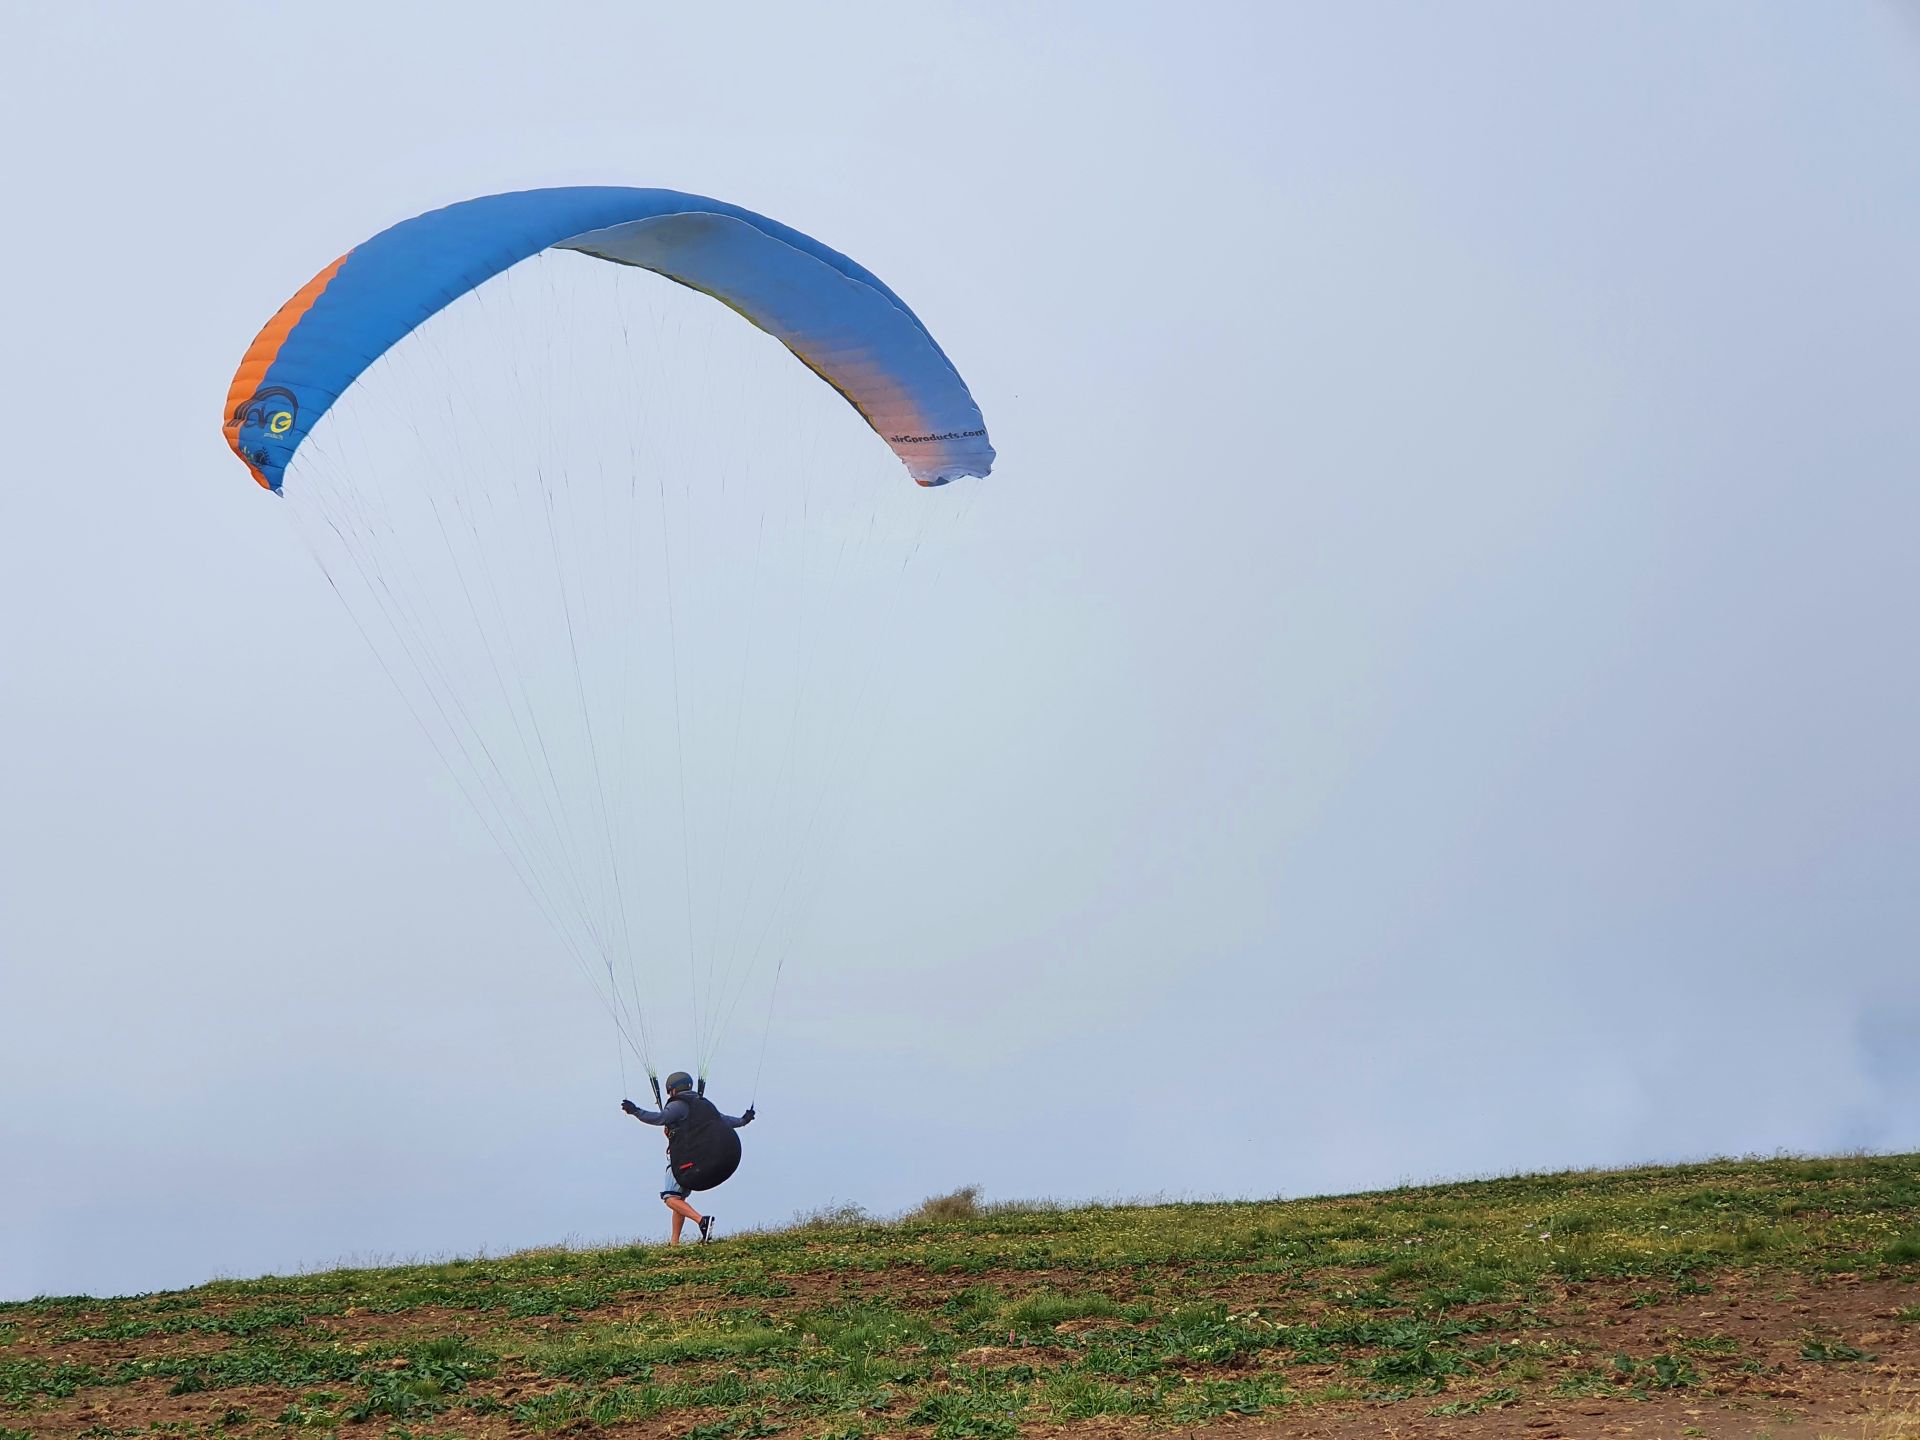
column 270, row 413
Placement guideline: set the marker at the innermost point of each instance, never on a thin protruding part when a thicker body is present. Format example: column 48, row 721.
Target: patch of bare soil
column 1885, row 1414
column 1757, row 1374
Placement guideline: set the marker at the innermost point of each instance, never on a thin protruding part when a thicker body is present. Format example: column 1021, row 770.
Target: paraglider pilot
column 702, row 1148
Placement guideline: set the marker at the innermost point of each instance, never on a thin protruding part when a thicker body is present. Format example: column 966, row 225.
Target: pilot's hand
column 629, row 1107
column 747, row 1117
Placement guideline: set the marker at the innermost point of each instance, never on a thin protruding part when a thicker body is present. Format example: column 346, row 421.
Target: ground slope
column 1738, row 1298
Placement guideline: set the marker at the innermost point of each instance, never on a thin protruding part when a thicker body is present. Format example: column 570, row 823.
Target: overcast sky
column 1436, row 692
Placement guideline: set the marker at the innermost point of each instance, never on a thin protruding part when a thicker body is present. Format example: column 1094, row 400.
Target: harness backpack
column 703, row 1149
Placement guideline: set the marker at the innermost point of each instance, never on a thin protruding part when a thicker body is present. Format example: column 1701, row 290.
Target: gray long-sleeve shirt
column 673, row 1112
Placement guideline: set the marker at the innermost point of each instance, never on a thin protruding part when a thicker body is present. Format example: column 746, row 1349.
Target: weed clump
column 962, row 1204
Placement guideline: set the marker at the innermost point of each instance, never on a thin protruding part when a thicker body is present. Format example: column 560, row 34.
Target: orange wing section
column 264, row 350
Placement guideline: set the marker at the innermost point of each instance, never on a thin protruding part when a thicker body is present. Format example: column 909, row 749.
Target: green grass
column 1043, row 1312
column 23, row 1381
column 248, row 1320
column 1831, row 1352
column 614, row 1352
column 970, row 1321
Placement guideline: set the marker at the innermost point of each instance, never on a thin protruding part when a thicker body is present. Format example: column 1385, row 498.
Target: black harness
column 703, row 1150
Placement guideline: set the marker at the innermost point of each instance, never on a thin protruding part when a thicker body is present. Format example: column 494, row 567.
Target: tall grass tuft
column 962, row 1204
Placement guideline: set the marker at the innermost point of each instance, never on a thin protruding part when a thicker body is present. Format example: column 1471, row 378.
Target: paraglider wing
column 635, row 575
column 837, row 317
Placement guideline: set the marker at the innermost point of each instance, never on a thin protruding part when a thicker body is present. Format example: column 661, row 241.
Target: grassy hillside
column 1736, row 1298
